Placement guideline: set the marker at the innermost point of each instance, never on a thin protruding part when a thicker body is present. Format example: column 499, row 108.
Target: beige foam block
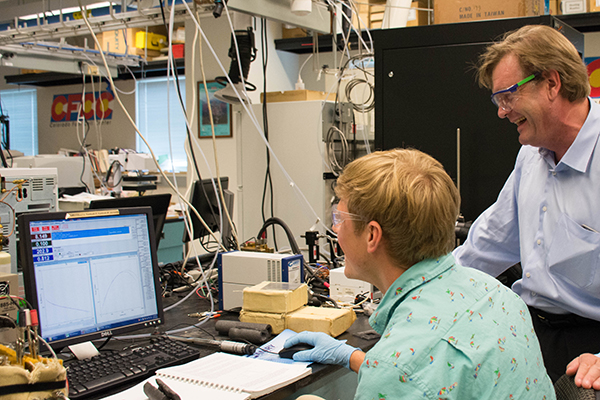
column 277, row 321
column 275, row 297
column 333, row 321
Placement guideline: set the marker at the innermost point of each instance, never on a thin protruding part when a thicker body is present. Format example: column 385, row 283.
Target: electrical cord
column 254, row 121
column 370, row 102
column 87, row 23
column 14, row 218
column 81, row 176
column 110, row 172
column 332, row 159
column 268, row 178
column 288, row 232
column 4, row 122
column 222, row 203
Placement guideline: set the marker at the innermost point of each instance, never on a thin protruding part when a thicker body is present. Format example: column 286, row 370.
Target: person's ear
column 553, row 83
column 374, row 236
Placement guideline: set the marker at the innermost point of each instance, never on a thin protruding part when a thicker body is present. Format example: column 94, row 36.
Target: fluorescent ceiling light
column 67, row 10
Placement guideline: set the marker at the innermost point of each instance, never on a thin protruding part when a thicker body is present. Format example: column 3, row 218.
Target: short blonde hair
column 410, row 195
column 539, row 48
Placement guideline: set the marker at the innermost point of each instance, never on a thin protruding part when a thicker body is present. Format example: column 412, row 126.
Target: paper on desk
column 84, row 350
column 83, row 197
column 269, row 350
column 182, row 388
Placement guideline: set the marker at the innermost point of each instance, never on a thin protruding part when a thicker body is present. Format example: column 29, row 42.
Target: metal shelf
column 304, row 45
column 46, row 79
column 586, row 22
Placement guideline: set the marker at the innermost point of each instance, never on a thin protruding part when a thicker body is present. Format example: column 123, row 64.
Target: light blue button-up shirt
column 547, row 216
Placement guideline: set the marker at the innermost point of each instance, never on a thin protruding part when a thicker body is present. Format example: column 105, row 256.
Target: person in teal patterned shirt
column 447, row 332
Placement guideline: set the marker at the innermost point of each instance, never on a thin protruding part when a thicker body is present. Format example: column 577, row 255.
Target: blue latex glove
column 327, row 350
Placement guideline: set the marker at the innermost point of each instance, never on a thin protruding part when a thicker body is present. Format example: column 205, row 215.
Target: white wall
column 281, row 74
column 281, row 70
column 110, row 133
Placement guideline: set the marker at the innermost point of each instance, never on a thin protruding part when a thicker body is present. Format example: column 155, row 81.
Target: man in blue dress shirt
column 547, row 216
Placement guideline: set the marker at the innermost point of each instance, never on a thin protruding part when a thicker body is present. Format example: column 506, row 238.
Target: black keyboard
column 111, row 369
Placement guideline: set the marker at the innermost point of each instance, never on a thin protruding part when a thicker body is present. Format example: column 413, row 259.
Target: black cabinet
column 426, row 89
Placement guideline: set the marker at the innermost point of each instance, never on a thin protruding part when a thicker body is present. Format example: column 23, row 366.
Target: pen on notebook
column 589, row 228
column 171, row 395
column 163, row 392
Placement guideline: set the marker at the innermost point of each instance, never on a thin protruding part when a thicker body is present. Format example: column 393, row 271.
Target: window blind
column 20, row 106
column 152, row 114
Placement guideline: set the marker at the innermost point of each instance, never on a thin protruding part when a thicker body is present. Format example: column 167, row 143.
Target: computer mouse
column 290, row 351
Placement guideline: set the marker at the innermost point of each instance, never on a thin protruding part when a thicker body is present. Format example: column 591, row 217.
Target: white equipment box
column 241, row 269
column 344, row 289
column 72, row 171
column 38, row 193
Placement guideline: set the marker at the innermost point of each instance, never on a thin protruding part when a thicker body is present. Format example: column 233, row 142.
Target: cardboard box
column 593, row 5
column 449, row 11
column 333, row 321
column 552, row 7
column 32, row 71
column 573, row 6
column 275, row 297
column 363, row 14
column 417, row 17
column 277, row 321
column 289, row 33
column 117, row 42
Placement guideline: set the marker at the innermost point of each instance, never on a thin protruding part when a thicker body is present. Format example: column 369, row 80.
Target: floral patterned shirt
column 450, row 332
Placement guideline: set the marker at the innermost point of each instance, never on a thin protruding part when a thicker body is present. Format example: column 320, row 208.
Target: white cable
column 253, row 118
column 319, row 139
column 98, row 126
column 188, row 124
column 366, row 27
column 104, row 75
column 47, row 346
column 353, row 28
column 84, row 11
column 214, row 142
column 300, row 83
column 187, row 220
column 363, row 114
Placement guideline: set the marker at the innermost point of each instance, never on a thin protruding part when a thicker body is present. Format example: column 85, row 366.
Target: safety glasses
column 338, row 217
column 505, row 98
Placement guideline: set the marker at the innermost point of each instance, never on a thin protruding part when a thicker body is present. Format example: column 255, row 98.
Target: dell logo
column 106, row 333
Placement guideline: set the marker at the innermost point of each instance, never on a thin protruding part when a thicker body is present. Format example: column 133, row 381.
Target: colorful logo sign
column 66, row 106
column 593, row 70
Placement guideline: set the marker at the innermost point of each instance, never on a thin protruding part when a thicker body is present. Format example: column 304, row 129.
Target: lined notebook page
column 230, row 371
column 186, row 390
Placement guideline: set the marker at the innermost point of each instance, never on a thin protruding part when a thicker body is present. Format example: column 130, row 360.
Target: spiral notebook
column 222, row 376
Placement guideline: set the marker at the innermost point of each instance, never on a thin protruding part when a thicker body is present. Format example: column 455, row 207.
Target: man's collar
column 580, row 152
